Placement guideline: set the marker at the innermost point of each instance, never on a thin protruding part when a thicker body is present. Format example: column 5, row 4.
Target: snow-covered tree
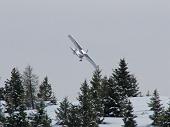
column 129, row 117
column 88, row 112
column 2, row 93
column 74, row 119
column 63, row 111
column 165, row 117
column 109, row 99
column 41, row 119
column 124, row 79
column 30, row 83
column 2, row 114
column 106, row 88
column 156, row 107
column 96, row 92
column 45, row 90
column 14, row 91
column 17, row 119
column 114, row 99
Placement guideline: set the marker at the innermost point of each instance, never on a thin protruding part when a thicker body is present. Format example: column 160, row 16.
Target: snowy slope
column 141, row 110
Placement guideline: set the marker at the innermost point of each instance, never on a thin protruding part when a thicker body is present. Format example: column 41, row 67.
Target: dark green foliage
column 45, row 90
column 156, row 107
column 124, row 79
column 63, row 111
column 17, row 119
column 53, row 99
column 96, row 92
column 74, row 119
column 14, row 92
column 2, row 115
column 2, row 93
column 30, row 83
column 107, row 101
column 165, row 117
column 114, row 100
column 120, row 85
column 41, row 118
column 128, row 117
column 88, row 112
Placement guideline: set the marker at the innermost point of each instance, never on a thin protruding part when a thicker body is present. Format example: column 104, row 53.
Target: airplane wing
column 91, row 61
column 75, row 43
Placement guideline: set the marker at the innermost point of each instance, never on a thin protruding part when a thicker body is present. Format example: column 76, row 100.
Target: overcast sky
column 35, row 32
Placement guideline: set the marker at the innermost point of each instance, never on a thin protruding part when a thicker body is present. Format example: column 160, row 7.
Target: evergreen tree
column 88, row 112
column 156, row 107
column 74, row 119
column 2, row 93
column 53, row 99
column 111, row 98
column 129, row 117
column 106, row 88
column 119, row 86
column 30, row 83
column 124, row 79
column 114, row 100
column 165, row 117
column 63, row 110
column 45, row 90
column 2, row 115
column 96, row 92
column 17, row 119
column 41, row 118
column 14, row 94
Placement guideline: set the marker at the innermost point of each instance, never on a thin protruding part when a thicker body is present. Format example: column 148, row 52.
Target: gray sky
column 35, row 32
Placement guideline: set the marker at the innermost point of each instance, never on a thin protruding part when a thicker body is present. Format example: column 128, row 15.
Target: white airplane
column 80, row 52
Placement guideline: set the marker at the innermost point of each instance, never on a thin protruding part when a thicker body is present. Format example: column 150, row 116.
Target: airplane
column 80, row 52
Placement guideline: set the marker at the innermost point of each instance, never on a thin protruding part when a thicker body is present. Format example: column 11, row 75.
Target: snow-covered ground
column 141, row 110
column 140, row 106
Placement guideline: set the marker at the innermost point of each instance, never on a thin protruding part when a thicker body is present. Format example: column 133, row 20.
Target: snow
column 140, row 106
column 112, row 122
column 141, row 110
column 51, row 113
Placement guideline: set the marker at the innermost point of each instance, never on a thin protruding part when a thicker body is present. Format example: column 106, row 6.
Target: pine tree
column 63, row 110
column 53, row 99
column 17, row 119
column 41, row 118
column 74, row 119
column 2, row 93
column 88, row 112
column 114, row 99
column 129, row 117
column 120, row 85
column 108, row 94
column 106, row 88
column 96, row 94
column 2, row 114
column 165, row 117
column 124, row 79
column 14, row 92
column 45, row 90
column 156, row 107
column 30, row 83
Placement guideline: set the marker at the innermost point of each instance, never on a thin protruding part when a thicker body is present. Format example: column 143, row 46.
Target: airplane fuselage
column 79, row 53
